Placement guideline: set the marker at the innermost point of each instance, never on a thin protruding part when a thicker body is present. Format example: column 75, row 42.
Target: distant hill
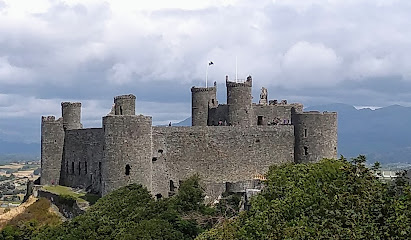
column 15, row 151
column 382, row 135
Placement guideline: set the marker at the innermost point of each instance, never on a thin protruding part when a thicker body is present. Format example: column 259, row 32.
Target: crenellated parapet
column 247, row 83
column 203, row 89
column 126, row 96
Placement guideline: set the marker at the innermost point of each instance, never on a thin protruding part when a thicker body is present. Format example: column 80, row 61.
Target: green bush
column 332, row 199
column 132, row 213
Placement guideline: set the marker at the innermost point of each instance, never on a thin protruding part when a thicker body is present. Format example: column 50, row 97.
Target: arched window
column 128, row 169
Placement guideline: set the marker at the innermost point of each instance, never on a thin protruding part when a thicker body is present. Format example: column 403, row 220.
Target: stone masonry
column 227, row 143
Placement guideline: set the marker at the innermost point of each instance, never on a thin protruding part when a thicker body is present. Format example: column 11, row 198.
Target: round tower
column 239, row 101
column 315, row 136
column 125, row 105
column 201, row 100
column 127, row 152
column 71, row 112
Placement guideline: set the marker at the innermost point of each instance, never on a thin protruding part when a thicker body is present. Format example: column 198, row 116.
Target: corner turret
column 52, row 141
column 315, row 136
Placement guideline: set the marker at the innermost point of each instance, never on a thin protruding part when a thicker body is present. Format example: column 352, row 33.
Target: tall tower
column 239, row 101
column 202, row 99
column 71, row 113
column 52, row 141
column 125, row 105
column 127, row 151
column 315, row 136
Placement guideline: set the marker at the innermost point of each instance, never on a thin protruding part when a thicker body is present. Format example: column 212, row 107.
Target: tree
column 332, row 199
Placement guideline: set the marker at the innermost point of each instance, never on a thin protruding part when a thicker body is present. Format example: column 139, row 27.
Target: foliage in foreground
column 132, row 213
column 332, row 199
column 30, row 221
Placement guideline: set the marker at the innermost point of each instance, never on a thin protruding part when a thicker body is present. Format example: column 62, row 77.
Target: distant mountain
column 185, row 123
column 383, row 134
column 19, row 148
column 13, row 151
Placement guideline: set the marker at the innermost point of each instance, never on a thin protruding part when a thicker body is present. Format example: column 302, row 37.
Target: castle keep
column 231, row 142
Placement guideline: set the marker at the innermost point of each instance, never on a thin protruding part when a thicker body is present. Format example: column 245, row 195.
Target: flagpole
column 206, row 83
column 236, row 69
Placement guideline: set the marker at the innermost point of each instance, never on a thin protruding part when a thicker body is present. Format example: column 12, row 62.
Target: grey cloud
column 315, row 52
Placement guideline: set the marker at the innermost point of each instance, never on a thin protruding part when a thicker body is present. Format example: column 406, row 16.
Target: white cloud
column 309, row 64
column 53, row 50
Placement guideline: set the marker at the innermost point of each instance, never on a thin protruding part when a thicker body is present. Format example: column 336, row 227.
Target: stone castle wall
column 52, row 141
column 217, row 154
column 315, row 136
column 239, row 101
column 83, row 153
column 201, row 100
column 125, row 105
column 127, row 151
column 71, row 113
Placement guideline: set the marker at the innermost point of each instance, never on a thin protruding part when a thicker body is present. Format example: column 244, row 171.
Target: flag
column 210, row 63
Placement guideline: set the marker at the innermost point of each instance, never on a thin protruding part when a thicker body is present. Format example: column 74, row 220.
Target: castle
column 231, row 142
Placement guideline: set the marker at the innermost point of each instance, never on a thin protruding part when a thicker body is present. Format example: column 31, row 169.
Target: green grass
column 79, row 196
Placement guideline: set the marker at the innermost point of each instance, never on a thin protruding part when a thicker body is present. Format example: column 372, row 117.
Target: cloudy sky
column 312, row 51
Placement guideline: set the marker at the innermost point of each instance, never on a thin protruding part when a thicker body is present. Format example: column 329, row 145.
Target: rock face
column 230, row 142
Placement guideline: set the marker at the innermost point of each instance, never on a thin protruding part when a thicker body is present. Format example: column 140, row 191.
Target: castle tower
column 127, row 151
column 52, row 140
column 315, row 136
column 71, row 113
column 239, row 101
column 202, row 99
column 125, row 105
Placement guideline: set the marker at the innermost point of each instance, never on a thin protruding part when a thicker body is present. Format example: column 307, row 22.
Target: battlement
column 127, row 96
column 202, row 89
column 71, row 104
column 48, row 118
column 246, row 83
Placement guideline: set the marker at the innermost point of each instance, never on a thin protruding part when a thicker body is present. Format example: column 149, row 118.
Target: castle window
column 305, row 132
column 260, row 120
column 172, row 187
column 128, row 169
column 85, row 167
column 159, row 196
column 72, row 168
column 121, row 110
column 79, row 168
column 154, row 159
column 160, row 151
column 67, row 168
column 212, row 101
column 306, row 151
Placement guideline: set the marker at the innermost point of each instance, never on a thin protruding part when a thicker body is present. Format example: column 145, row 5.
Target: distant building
column 230, row 142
